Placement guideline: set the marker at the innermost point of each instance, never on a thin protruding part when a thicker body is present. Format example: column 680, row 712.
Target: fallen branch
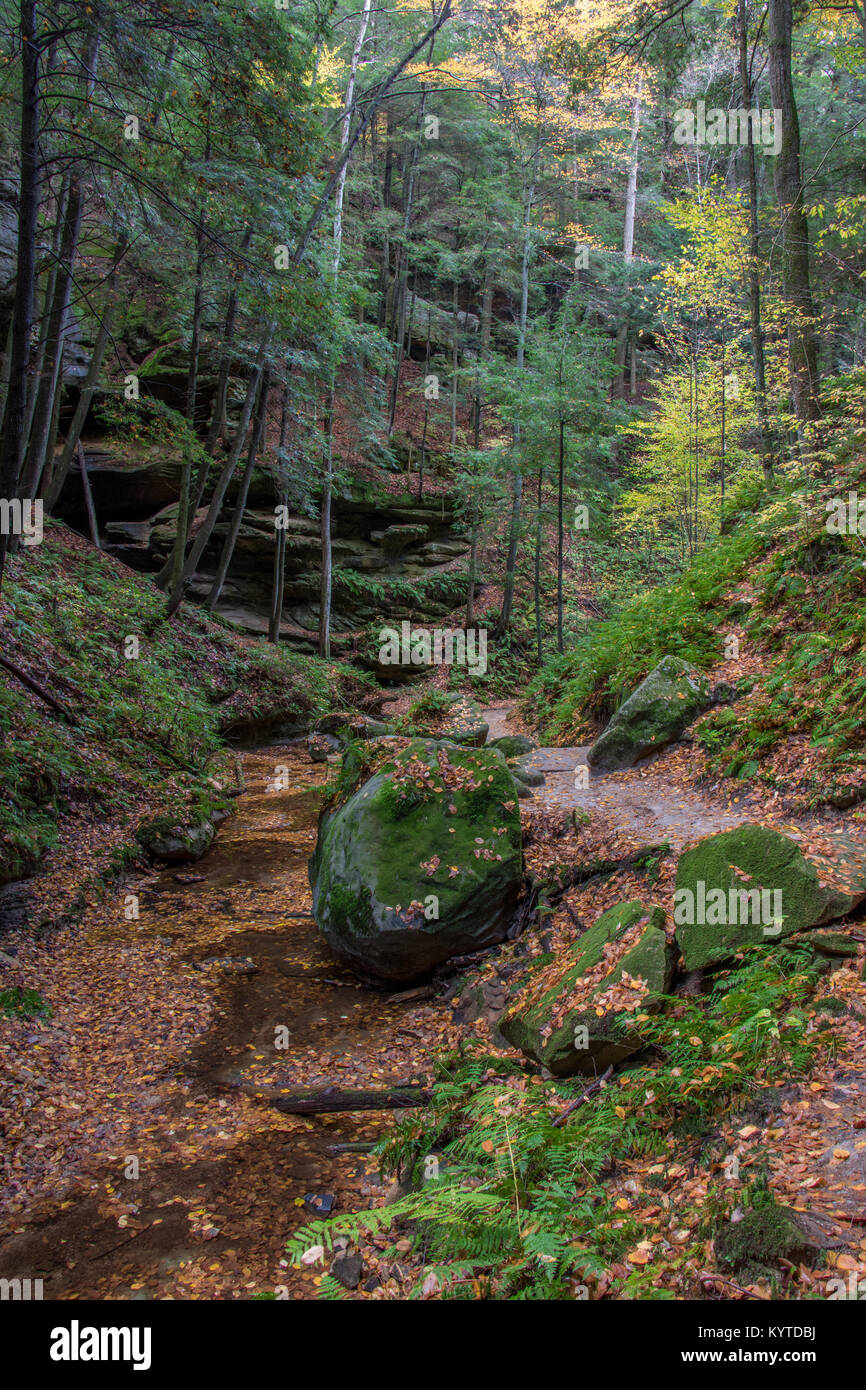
column 330, row 1100
column 37, row 689
column 706, row 1277
column 363, row 1147
column 585, row 1094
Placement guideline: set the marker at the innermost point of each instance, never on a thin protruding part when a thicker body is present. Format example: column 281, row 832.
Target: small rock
column 373, row 1283
column 321, row 1203
column 229, row 965
column 347, row 1268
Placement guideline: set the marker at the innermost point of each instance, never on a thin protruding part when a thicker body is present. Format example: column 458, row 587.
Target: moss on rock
column 422, row 861
column 766, row 1234
column 744, row 887
column 664, row 704
column 580, row 1022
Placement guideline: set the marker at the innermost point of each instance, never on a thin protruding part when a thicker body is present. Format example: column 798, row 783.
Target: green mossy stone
column 532, row 776
column 513, row 745
column 765, row 1235
column 374, row 868
column 766, row 860
column 827, row 943
column 609, row 1038
column 671, row 697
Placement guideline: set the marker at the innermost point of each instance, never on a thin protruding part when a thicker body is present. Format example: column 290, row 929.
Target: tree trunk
column 58, row 473
column 169, row 575
column 51, row 380
column 206, row 529
column 757, row 331
column 12, row 445
column 230, row 541
column 218, row 418
column 328, row 482
column 400, row 291
column 560, row 538
column 517, row 477
column 628, row 235
column 280, row 538
column 88, row 497
column 796, row 285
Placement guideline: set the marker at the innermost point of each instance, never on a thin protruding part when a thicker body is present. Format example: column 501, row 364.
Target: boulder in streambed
column 745, row 887
column 183, row 844
column 421, row 861
column 671, row 697
column 513, row 745
column 577, row 1019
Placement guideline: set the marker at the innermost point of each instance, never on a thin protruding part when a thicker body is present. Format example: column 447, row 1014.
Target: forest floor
column 134, row 1164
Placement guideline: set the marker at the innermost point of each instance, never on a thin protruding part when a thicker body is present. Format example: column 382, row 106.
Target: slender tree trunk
column 40, row 447
column 400, row 292
column 517, row 476
column 796, row 285
column 757, row 330
column 169, row 575
column 560, row 537
column 724, row 414
column 12, row 444
column 280, row 538
column 38, row 363
column 326, row 586
column 539, row 537
column 226, row 472
column 58, row 473
column 622, row 336
column 386, row 247
column 88, row 497
column 51, row 380
column 473, row 567
column 218, row 418
column 228, row 550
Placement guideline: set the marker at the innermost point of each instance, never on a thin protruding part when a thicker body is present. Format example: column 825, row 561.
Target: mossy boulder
column 580, row 1021
column 184, row 844
column 513, row 745
column 765, row 1235
column 833, row 944
column 671, row 697
column 745, row 887
column 465, row 723
column 532, row 776
column 422, row 861
column 344, row 726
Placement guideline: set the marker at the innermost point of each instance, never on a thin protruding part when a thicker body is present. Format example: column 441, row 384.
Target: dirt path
column 133, row 1167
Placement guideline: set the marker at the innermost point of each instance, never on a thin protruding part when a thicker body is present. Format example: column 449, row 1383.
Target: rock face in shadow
column 391, row 541
column 423, row 861
column 662, row 707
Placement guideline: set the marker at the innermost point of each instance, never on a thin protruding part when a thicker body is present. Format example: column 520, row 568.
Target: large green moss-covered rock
column 745, row 887
column 423, row 860
column 579, row 1023
column 671, row 697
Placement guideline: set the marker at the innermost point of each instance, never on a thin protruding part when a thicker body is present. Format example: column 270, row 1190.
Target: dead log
column 329, row 1100
column 37, row 689
column 362, row 1147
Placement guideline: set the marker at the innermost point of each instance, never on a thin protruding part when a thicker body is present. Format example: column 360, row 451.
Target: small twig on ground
column 584, row 1096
